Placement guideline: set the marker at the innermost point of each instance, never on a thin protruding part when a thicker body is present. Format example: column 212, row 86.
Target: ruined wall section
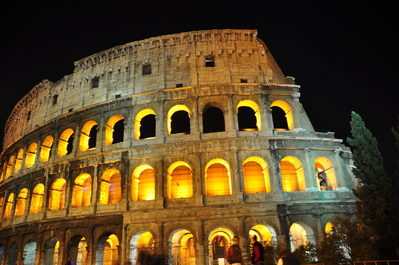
column 174, row 60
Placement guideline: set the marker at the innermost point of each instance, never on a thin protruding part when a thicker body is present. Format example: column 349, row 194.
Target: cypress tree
column 377, row 202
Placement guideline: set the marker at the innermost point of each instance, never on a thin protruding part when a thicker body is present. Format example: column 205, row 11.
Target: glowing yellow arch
column 288, row 112
column 265, row 169
column 137, row 121
column 171, row 111
column 255, row 107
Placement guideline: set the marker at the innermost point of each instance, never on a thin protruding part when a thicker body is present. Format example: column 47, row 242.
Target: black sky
column 342, row 53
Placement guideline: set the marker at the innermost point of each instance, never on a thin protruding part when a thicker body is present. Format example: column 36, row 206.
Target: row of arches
column 179, row 182
column 178, row 122
column 182, row 246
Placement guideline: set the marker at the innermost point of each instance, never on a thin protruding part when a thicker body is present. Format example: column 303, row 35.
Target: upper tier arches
column 147, row 66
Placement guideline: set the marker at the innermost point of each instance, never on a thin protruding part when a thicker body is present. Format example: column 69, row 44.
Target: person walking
column 234, row 253
column 258, row 255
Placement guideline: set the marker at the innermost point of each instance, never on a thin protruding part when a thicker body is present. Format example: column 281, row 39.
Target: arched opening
column 256, row 175
column 31, row 155
column 45, row 152
column 179, row 120
column 22, row 200
column 30, row 252
column 88, row 136
column 180, row 180
column 300, row 234
column 143, row 188
column 147, row 128
column 81, row 195
column 108, row 250
column 279, row 119
column 219, row 241
column 293, row 177
column 111, row 187
column 57, row 195
column 65, row 143
column 282, row 115
column 213, row 120
column 37, row 199
column 248, row 115
column 10, row 164
column 325, row 174
column 52, row 247
column 12, row 254
column 115, row 130
column 78, row 250
column 18, row 161
column 182, row 248
column 265, row 234
column 217, row 178
column 8, row 208
column 143, row 241
column 145, row 124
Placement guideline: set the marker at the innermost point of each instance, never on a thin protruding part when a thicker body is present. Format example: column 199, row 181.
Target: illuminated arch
column 37, row 199
column 31, row 155
column 22, row 199
column 325, row 174
column 8, row 207
column 107, row 250
column 81, row 194
column 88, row 136
column 292, row 174
column 52, row 247
column 45, row 151
column 217, row 178
column 141, row 241
column 18, row 161
column 78, row 250
column 113, row 133
column 30, row 252
column 219, row 240
column 182, row 247
column 287, row 110
column 171, row 112
column 265, row 234
column 256, row 175
column 249, row 124
column 10, row 165
column 180, row 180
column 138, row 134
column 111, row 187
column 65, row 143
column 143, row 188
column 301, row 234
column 57, row 195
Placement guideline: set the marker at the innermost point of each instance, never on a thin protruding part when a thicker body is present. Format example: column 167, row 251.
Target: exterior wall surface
column 169, row 144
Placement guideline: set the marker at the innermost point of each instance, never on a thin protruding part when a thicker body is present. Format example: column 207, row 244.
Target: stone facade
column 174, row 143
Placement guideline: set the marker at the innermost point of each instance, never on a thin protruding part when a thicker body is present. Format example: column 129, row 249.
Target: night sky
column 344, row 55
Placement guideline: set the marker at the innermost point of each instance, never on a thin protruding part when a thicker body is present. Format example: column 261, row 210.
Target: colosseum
column 176, row 144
